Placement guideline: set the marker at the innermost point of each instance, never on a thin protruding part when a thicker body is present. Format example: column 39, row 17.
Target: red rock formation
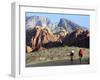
column 77, row 38
column 42, row 36
column 29, row 49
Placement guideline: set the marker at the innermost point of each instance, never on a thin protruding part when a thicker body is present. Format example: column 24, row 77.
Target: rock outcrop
column 79, row 38
column 41, row 34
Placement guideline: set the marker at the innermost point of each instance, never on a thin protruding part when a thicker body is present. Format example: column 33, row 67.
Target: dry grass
column 53, row 54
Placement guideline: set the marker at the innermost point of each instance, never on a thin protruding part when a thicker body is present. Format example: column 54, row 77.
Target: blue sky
column 82, row 20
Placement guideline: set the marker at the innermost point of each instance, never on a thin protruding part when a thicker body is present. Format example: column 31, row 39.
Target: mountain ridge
column 63, row 24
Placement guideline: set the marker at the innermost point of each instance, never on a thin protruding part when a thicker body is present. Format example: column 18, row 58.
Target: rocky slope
column 78, row 37
column 62, row 24
column 42, row 34
column 68, row 25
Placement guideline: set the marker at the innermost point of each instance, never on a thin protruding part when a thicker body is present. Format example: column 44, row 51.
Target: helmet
column 72, row 51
